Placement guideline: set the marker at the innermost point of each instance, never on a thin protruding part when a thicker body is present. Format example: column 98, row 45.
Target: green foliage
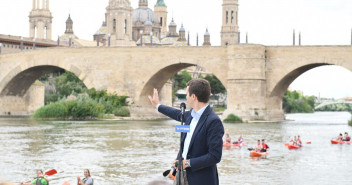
column 231, row 118
column 54, row 110
column 82, row 107
column 336, row 107
column 66, row 84
column 103, row 96
column 215, row 84
column 295, row 102
column 180, row 80
column 121, row 111
column 96, row 104
column 220, row 109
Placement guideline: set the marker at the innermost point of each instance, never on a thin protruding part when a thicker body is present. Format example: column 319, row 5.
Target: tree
column 215, row 84
column 66, row 84
column 180, row 80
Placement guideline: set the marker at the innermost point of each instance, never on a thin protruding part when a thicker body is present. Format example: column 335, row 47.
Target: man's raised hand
column 155, row 99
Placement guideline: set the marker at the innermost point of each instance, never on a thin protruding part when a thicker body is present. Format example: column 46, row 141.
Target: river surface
column 138, row 152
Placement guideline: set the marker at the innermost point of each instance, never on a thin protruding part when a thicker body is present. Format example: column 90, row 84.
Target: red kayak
column 258, row 154
column 293, row 147
column 231, row 144
column 340, row 142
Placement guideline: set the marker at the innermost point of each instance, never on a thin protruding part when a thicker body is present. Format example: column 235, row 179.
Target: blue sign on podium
column 182, row 128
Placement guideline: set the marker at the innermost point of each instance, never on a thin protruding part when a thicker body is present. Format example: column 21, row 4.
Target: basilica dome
column 144, row 14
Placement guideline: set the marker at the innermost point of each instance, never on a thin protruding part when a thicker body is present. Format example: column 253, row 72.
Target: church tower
column 40, row 20
column 119, row 21
column 229, row 30
column 160, row 10
column 206, row 38
column 69, row 25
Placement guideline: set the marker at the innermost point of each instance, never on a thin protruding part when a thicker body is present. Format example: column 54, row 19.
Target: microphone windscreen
column 183, row 105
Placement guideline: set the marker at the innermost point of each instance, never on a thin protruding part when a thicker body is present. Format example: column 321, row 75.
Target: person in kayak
column 227, row 139
column 87, row 180
column 39, row 180
column 265, row 147
column 294, row 141
column 258, row 148
column 239, row 140
column 347, row 137
column 298, row 141
column 339, row 138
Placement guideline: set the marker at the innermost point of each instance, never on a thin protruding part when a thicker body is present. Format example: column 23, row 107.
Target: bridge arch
column 162, row 76
column 19, row 80
column 282, row 86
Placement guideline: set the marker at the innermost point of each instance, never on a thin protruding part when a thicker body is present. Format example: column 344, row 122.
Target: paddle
column 250, row 149
column 166, row 173
column 51, row 172
column 308, row 142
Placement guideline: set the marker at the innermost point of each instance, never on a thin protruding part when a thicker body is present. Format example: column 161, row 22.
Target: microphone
column 183, row 108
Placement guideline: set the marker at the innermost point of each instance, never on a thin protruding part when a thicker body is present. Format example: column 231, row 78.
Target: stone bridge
column 255, row 76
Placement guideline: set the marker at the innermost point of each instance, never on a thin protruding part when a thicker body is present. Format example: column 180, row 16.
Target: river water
column 137, row 152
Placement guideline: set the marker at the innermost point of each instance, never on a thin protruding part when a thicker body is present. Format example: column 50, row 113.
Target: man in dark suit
column 202, row 146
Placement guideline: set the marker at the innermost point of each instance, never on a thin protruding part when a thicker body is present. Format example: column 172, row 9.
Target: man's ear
column 194, row 97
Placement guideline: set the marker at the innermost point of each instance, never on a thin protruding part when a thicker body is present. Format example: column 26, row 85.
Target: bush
column 231, row 118
column 103, row 96
column 81, row 108
column 350, row 122
column 54, row 110
column 121, row 111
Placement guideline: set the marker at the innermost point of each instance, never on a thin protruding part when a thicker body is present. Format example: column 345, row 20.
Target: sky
column 267, row 22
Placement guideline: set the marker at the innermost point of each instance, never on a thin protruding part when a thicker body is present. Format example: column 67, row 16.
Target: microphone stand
column 180, row 161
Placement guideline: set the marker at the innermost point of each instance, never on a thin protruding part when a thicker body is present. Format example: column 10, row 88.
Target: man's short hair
column 200, row 88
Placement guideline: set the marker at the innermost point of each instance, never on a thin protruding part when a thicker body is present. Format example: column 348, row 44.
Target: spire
column 206, row 32
column 160, row 3
column 69, row 20
column 143, row 3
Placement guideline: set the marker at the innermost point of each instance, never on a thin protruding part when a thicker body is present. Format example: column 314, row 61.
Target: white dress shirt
column 196, row 116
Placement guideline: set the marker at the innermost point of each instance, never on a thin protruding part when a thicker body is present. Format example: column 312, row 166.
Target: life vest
column 39, row 181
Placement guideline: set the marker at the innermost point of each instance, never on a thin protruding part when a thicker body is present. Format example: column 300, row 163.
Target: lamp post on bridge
column 58, row 41
column 141, row 34
column 33, row 43
column 21, row 45
column 70, row 41
column 151, row 38
column 109, row 39
column 98, row 39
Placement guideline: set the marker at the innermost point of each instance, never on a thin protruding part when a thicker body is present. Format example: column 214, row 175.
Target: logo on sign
column 182, row 128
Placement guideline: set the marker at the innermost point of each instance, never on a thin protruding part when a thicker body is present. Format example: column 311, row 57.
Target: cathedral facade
column 125, row 26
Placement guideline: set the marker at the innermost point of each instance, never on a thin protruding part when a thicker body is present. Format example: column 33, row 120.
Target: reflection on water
column 138, row 152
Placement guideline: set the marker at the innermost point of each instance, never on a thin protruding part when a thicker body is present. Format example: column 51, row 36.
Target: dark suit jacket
column 205, row 149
